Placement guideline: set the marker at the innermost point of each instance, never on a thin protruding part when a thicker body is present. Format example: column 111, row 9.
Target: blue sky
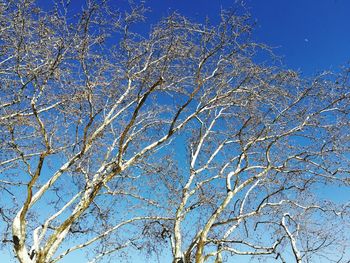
column 311, row 35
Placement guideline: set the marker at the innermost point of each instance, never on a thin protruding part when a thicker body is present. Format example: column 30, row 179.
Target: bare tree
column 116, row 139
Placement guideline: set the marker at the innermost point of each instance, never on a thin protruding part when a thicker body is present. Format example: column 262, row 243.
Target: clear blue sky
column 311, row 35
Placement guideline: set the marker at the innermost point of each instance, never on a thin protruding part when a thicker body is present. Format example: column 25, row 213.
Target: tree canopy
column 178, row 141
